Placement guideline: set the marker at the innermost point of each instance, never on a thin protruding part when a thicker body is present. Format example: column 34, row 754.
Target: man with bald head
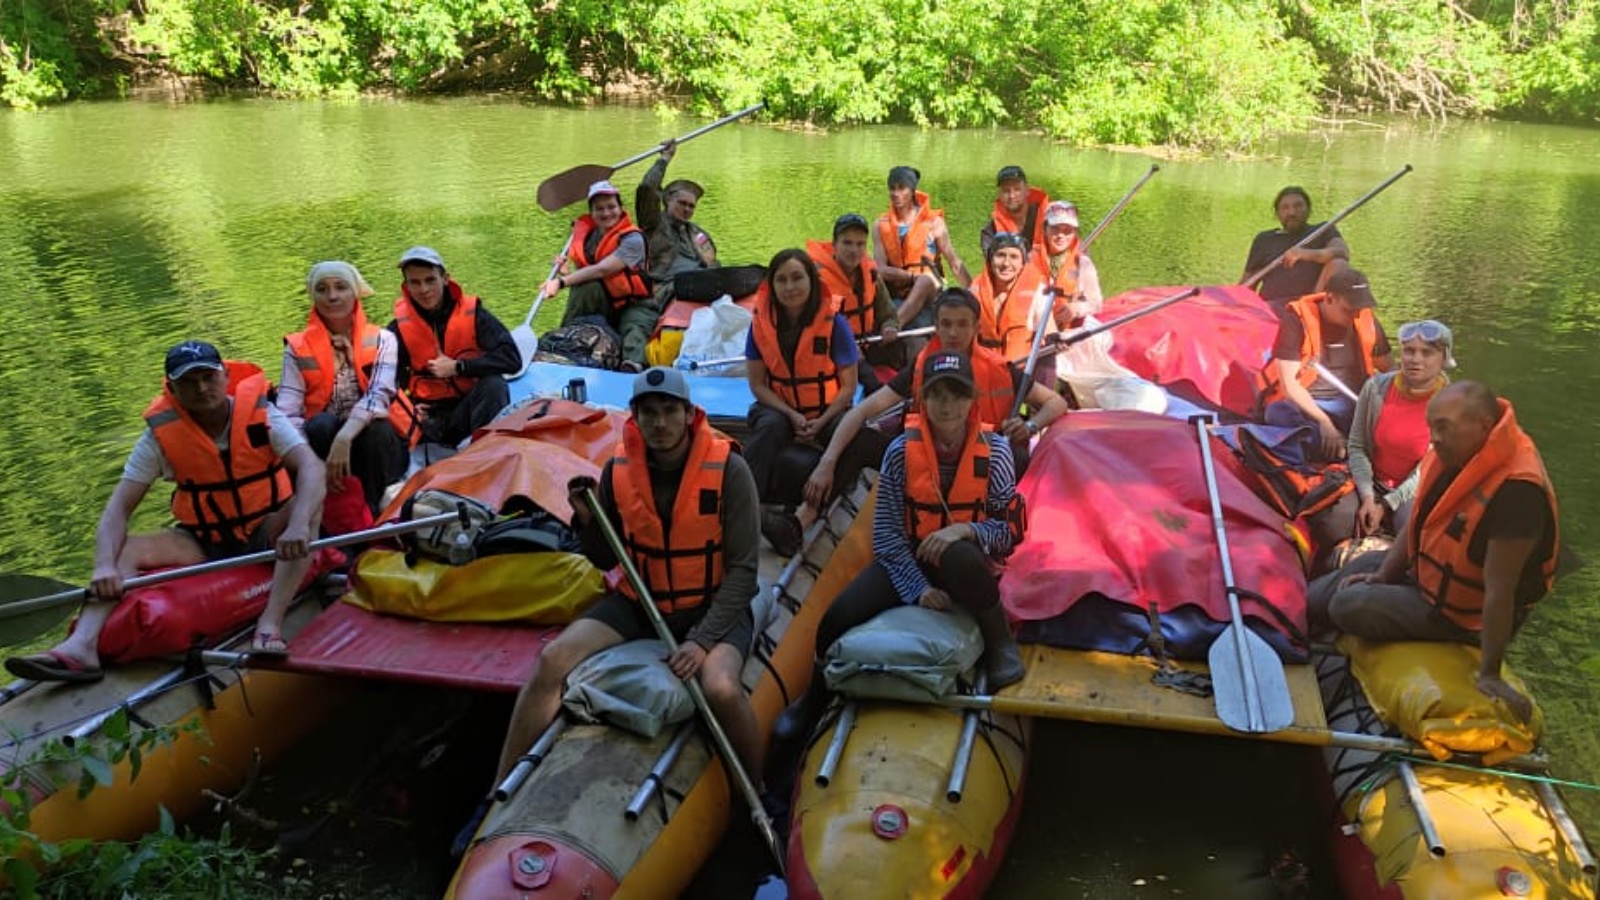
column 1478, row 550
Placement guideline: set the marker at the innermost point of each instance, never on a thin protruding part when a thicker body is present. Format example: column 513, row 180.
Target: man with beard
column 1304, row 270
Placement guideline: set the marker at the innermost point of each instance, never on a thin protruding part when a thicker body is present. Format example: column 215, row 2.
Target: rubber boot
column 796, row 721
column 1001, row 656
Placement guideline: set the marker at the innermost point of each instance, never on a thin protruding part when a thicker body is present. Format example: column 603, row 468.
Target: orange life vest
column 1305, row 308
column 928, row 508
column 222, row 496
column 991, row 374
column 625, row 284
column 1006, row 324
column 1437, row 550
column 680, row 561
column 312, row 351
column 813, row 381
column 856, row 308
column 422, row 344
column 910, row 252
column 1065, row 278
column 1032, row 225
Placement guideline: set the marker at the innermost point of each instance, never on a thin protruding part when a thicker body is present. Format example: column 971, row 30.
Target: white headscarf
column 337, row 269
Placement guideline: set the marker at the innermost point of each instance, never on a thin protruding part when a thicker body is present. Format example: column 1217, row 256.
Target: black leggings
column 377, row 455
column 964, row 573
column 770, row 434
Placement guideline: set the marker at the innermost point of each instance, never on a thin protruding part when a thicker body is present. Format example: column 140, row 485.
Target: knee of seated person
column 721, row 684
column 1348, row 612
column 963, row 555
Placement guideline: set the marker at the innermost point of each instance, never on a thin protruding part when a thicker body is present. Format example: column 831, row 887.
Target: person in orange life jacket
column 672, row 484
column 676, row 244
column 1012, row 296
column 955, row 313
column 1478, row 550
column 853, row 278
column 453, row 353
column 1074, row 275
column 607, row 260
column 911, row 245
column 947, row 514
column 801, row 368
column 1303, row 271
column 1018, row 208
column 1339, row 330
column 232, row 455
column 338, row 384
column 1389, row 434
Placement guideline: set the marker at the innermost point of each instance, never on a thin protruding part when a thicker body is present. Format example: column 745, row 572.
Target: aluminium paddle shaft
column 344, row 540
column 719, row 737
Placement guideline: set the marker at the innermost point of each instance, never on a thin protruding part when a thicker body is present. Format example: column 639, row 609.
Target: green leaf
column 98, row 769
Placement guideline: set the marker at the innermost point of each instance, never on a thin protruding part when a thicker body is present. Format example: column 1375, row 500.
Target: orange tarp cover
column 531, row 453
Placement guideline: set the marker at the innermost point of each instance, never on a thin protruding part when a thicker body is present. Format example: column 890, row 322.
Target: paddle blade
column 562, row 190
column 527, row 345
column 1249, row 684
column 27, row 626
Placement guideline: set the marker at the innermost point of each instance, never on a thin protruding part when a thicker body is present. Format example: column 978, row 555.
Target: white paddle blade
column 1237, row 666
column 527, row 345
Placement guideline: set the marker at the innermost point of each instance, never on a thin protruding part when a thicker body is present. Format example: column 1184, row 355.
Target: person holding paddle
column 676, row 244
column 683, row 501
column 453, row 354
column 996, row 383
column 608, row 256
column 1013, row 297
column 1336, row 332
column 338, row 379
column 246, row 480
column 1304, row 269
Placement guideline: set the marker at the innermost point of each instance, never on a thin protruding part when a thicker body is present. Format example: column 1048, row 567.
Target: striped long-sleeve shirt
column 892, row 546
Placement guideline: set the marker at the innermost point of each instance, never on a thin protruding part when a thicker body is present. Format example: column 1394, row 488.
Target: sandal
column 53, row 665
column 269, row 644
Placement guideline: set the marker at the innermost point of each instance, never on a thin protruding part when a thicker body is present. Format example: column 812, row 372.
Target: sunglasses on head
column 1427, row 329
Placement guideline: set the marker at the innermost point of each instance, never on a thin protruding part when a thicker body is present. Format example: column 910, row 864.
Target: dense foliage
column 1211, row 73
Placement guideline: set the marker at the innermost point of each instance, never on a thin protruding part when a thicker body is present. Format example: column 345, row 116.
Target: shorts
column 624, row 616
column 260, row 539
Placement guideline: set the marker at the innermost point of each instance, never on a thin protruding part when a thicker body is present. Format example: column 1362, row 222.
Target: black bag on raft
column 585, row 341
column 706, row 285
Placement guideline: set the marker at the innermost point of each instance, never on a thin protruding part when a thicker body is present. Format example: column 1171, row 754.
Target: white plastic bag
column 716, row 332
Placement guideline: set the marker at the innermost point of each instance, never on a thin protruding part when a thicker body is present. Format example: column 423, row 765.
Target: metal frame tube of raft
column 1568, row 828
column 1314, row 737
column 529, row 761
column 1419, row 806
column 841, row 736
column 664, row 764
column 962, row 760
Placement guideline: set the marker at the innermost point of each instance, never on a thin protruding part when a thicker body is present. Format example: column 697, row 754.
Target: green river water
column 125, row 227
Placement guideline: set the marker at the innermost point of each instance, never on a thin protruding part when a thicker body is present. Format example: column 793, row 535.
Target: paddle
column 22, row 619
column 1334, row 380
column 1059, row 343
column 1256, row 276
column 1044, row 320
column 719, row 737
column 1247, row 677
column 566, row 188
column 523, row 335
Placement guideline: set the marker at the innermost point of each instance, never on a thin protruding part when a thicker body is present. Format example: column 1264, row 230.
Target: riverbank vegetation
column 1217, row 74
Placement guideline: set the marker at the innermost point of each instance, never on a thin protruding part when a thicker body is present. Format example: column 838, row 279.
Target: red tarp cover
column 352, row 642
column 1209, row 348
column 1117, row 506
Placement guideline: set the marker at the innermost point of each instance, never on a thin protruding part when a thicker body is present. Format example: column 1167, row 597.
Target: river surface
column 126, row 227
